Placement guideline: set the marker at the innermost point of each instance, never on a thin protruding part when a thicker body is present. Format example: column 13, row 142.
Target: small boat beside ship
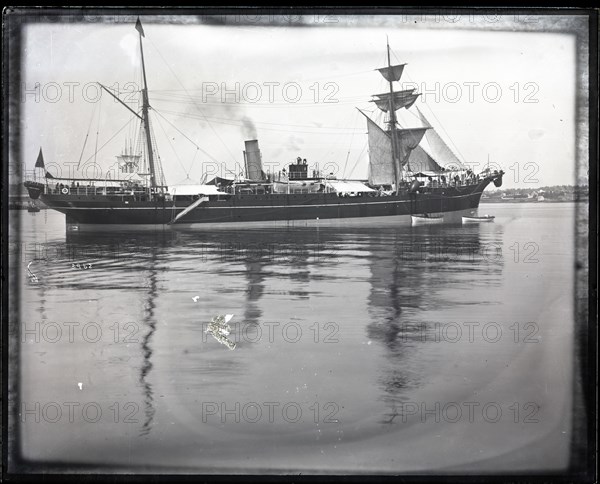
column 427, row 219
column 477, row 220
column 412, row 171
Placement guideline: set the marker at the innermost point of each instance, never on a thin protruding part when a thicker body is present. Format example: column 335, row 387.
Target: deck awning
column 195, row 190
column 347, row 186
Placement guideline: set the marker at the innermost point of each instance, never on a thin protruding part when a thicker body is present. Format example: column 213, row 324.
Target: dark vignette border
column 583, row 448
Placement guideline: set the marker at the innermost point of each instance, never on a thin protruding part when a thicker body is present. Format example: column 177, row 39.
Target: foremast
column 389, row 150
column 145, row 112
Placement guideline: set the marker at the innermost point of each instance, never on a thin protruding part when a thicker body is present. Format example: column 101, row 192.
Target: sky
column 507, row 96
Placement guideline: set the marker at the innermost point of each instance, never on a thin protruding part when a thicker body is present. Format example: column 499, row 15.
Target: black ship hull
column 322, row 209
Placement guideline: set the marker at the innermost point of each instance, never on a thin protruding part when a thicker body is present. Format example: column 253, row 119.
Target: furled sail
column 381, row 165
column 402, row 99
column 392, row 73
column 440, row 151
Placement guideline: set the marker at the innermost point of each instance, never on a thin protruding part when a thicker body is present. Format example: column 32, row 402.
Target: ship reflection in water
column 342, row 328
column 149, row 324
column 408, row 274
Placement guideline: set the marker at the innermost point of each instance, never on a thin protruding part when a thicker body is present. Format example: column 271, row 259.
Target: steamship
column 412, row 172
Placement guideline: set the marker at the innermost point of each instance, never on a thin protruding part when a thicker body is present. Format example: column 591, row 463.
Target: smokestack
column 253, row 161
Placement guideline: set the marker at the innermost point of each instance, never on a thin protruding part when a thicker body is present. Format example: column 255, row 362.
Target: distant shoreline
column 529, row 200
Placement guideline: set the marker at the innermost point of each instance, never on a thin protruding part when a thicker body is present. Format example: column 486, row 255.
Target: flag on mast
column 40, row 160
column 40, row 164
column 139, row 28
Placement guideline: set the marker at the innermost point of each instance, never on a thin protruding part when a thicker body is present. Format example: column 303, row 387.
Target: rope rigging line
column 173, row 148
column 190, row 97
column 186, row 137
column 448, row 136
column 439, row 123
column 350, row 145
column 358, row 159
column 97, row 129
column 336, row 76
column 154, row 149
column 86, row 136
column 225, row 122
column 178, row 99
column 239, row 123
column 192, row 163
column 109, row 140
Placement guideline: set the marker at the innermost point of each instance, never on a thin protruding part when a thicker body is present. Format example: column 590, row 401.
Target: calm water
column 431, row 349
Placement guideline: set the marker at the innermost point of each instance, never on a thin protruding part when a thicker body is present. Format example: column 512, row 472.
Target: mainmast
column 145, row 109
